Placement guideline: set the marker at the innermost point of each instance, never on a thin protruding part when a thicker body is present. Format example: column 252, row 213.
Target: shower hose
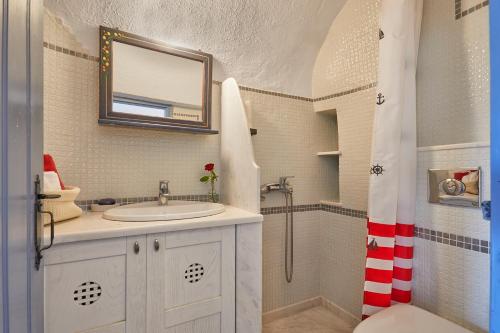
column 289, row 236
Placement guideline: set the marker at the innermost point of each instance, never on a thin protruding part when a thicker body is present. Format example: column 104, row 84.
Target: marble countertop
column 91, row 226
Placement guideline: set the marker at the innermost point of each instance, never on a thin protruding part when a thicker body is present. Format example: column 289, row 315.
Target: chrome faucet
column 164, row 194
column 285, row 185
column 282, row 186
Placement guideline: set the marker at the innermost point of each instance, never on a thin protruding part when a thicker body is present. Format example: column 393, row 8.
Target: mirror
column 147, row 83
column 456, row 187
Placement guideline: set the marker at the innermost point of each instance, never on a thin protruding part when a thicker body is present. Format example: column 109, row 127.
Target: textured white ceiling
column 266, row 44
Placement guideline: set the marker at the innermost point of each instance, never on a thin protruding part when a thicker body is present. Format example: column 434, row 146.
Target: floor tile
column 314, row 320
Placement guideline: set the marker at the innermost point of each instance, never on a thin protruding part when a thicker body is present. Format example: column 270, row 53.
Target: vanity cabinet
column 174, row 282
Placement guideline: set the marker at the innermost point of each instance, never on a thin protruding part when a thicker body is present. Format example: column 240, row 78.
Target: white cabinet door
column 85, row 287
column 190, row 281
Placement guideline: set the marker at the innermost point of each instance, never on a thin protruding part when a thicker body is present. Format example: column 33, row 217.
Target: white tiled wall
column 343, row 240
column 348, row 60
column 450, row 281
column 289, row 136
column 305, row 285
column 453, row 75
column 355, row 117
column 112, row 161
column 452, row 107
column 453, row 283
column 349, row 55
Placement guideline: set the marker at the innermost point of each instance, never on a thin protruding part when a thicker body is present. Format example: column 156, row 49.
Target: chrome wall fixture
column 284, row 187
column 455, row 187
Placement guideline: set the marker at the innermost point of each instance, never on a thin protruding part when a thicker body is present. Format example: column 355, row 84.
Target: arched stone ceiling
column 265, row 44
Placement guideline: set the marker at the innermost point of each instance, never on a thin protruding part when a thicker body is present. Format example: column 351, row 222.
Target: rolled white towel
column 51, row 181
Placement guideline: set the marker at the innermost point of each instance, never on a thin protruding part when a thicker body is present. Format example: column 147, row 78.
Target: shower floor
column 314, row 320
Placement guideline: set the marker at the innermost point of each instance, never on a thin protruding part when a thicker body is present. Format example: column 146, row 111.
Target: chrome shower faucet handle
column 284, row 184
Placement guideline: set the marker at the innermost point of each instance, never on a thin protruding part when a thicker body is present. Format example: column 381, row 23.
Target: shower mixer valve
column 285, row 185
column 281, row 186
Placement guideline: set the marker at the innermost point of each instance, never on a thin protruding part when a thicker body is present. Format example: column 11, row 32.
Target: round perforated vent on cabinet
column 87, row 293
column 194, row 273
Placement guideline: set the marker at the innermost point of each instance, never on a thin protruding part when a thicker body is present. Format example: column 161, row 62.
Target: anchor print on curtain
column 391, row 202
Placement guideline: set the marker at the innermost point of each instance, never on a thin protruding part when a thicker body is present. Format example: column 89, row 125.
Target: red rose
column 209, row 166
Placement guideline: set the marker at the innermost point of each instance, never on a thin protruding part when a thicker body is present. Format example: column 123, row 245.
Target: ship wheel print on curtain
column 377, row 170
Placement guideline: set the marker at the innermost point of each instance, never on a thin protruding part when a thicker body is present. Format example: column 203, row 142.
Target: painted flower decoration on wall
column 211, row 178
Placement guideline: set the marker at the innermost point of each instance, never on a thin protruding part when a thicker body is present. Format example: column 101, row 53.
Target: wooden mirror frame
column 106, row 115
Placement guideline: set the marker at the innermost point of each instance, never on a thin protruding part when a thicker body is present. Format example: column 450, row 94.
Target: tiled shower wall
column 344, row 79
column 289, row 135
column 453, row 107
column 451, row 277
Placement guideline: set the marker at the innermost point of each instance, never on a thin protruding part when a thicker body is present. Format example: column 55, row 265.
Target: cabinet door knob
column 157, row 244
column 136, row 247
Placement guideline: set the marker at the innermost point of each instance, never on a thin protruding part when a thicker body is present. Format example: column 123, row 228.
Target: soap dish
column 64, row 207
column 102, row 208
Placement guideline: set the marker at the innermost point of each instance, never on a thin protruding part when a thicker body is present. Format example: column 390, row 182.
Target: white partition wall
column 240, row 183
column 241, row 175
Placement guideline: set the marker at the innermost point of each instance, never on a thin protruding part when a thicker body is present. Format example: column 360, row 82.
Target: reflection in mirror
column 151, row 84
column 457, row 187
column 156, row 84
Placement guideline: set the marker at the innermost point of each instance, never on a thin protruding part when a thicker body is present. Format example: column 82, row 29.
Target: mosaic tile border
column 306, row 99
column 343, row 211
column 346, row 92
column 269, row 92
column 464, row 242
column 315, row 207
column 73, row 53
column 460, row 12
column 468, row 243
column 282, row 209
column 85, row 204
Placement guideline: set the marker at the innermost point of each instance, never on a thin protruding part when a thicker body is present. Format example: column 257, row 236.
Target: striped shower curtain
column 391, row 202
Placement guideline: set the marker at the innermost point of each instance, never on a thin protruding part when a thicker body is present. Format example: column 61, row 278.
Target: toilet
column 404, row 318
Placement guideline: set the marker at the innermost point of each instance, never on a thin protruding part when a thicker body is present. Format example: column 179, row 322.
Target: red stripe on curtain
column 404, row 274
column 406, row 230
column 378, row 275
column 381, row 230
column 401, row 296
column 376, row 299
column 405, row 252
column 384, row 253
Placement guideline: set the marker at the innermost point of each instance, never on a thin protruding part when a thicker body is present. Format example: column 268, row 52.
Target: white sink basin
column 151, row 211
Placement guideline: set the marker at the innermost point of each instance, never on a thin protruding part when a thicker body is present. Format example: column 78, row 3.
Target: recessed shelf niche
column 331, row 154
